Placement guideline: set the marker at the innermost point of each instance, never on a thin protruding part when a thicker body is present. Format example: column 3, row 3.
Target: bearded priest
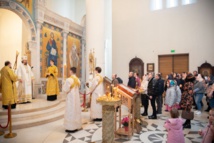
column 8, row 86
column 25, row 77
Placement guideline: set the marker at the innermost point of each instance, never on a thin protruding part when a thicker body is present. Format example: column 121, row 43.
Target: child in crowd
column 208, row 133
column 173, row 95
column 174, row 126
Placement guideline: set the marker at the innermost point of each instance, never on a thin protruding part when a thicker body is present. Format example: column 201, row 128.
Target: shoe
column 28, row 102
column 23, row 103
column 71, row 131
column 207, row 110
column 195, row 111
column 98, row 119
column 159, row 112
column 152, row 117
column 198, row 113
column 144, row 114
column 188, row 126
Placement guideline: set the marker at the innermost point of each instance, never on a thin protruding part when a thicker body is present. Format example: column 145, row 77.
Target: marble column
column 35, row 60
column 65, row 34
column 95, row 31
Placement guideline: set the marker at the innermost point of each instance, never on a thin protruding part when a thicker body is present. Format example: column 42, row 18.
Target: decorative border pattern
column 24, row 15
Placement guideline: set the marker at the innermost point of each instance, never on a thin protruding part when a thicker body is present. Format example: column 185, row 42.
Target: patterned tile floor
column 152, row 131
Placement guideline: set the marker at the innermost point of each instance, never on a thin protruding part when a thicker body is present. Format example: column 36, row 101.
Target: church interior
column 65, row 55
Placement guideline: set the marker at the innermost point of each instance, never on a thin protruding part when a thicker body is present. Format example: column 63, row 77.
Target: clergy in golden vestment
column 52, row 89
column 8, row 86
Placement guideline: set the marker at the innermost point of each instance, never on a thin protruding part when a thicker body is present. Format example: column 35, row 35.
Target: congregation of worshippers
column 177, row 91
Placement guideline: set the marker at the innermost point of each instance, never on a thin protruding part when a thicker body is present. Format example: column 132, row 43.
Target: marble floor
column 152, row 131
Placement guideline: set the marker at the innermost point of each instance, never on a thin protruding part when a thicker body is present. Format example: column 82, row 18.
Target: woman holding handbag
column 187, row 102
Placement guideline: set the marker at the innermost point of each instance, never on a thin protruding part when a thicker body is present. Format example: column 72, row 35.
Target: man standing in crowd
column 8, row 86
column 114, row 82
column 151, row 94
column 131, row 82
column 25, row 77
column 159, row 89
column 195, row 73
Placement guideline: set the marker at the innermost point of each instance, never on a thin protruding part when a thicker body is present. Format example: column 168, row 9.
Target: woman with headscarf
column 199, row 93
column 173, row 95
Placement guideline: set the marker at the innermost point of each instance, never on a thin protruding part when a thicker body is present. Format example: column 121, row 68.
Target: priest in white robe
column 97, row 90
column 72, row 117
column 25, row 77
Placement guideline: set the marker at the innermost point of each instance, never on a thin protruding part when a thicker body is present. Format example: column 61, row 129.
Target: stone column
column 65, row 34
column 37, row 53
column 95, row 31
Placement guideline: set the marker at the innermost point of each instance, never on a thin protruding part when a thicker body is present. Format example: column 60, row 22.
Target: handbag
column 187, row 115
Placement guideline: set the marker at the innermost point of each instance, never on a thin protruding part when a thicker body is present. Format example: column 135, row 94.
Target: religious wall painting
column 150, row 67
column 51, row 48
column 28, row 5
column 74, row 53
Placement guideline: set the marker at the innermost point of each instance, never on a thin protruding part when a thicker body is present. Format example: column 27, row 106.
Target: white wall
column 65, row 8
column 138, row 31
column 71, row 9
column 10, row 36
column 80, row 10
column 108, row 38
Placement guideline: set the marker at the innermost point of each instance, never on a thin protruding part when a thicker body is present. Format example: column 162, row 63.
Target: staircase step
column 34, row 115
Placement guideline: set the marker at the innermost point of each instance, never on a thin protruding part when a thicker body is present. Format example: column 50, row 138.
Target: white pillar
column 108, row 38
column 95, row 38
column 65, row 34
column 36, row 59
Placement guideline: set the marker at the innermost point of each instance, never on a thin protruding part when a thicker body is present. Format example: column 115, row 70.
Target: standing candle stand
column 10, row 134
column 108, row 116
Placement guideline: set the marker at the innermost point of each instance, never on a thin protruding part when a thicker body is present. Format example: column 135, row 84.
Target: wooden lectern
column 130, row 98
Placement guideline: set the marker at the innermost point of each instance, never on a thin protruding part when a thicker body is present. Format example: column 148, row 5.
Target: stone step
column 35, row 114
column 36, row 105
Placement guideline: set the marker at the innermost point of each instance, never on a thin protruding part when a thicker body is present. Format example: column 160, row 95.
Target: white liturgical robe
column 72, row 117
column 96, row 108
column 25, row 74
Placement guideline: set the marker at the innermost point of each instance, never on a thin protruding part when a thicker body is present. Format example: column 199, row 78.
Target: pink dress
column 175, row 130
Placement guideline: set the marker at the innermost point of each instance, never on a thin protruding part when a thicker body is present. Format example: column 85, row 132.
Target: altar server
column 97, row 90
column 72, row 118
column 8, row 86
column 52, row 84
column 25, row 77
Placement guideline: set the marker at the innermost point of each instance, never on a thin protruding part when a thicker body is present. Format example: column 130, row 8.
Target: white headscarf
column 199, row 78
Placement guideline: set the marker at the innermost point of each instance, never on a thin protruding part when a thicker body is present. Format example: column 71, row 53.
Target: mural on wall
column 74, row 53
column 28, row 5
column 51, row 48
